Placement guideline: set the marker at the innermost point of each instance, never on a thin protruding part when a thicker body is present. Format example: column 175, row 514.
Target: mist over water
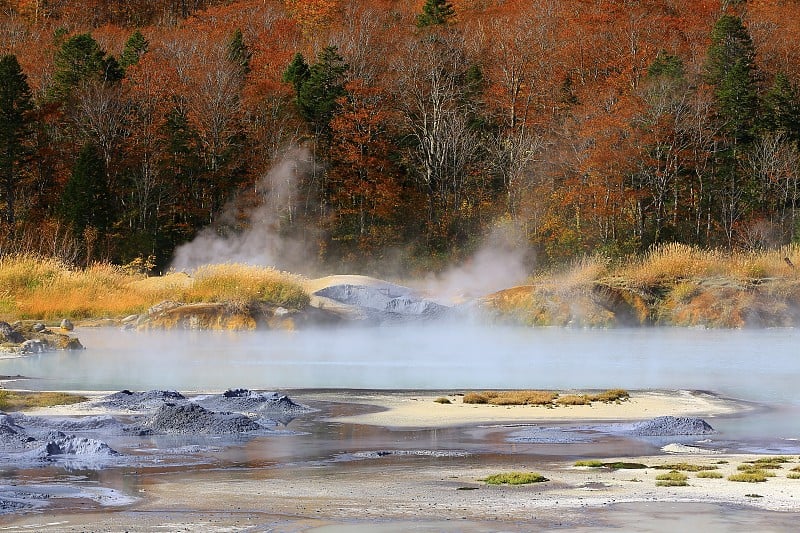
column 758, row 365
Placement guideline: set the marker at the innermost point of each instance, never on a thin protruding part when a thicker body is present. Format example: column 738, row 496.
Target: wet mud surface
column 109, row 462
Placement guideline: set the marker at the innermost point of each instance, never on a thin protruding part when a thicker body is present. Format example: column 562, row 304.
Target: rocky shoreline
column 26, row 338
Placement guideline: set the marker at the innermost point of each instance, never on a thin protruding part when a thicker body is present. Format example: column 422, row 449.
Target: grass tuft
column 793, row 475
column 515, row 478
column 752, row 476
column 18, row 401
column 672, row 479
column 442, row 400
column 591, row 463
column 546, row 398
column 622, row 465
column 685, row 467
column 709, row 474
column 750, row 467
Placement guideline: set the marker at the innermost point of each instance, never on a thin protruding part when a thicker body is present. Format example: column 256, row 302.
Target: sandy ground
column 403, row 493
column 419, row 410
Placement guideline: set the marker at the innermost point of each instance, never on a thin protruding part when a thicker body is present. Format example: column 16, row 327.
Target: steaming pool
column 758, row 366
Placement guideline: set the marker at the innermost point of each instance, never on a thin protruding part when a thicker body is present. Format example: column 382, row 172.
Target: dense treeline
column 126, row 127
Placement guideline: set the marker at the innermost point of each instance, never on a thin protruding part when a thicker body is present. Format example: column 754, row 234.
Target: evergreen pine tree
column 81, row 59
column 325, row 84
column 782, row 108
column 15, row 107
column 86, row 200
column 666, row 65
column 297, row 72
column 135, row 47
column 435, row 13
column 731, row 70
column 238, row 53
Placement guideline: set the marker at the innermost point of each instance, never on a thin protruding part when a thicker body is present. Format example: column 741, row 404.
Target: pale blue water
column 756, row 365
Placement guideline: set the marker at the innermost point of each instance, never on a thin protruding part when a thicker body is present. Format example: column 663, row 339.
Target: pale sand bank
column 419, row 410
column 297, row 500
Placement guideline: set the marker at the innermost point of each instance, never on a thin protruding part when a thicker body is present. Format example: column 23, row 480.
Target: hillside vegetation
column 396, row 133
column 673, row 285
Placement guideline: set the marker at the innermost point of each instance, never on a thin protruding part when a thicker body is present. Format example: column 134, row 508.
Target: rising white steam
column 261, row 242
column 502, row 261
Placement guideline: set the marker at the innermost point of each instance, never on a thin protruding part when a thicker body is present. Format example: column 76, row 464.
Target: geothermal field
column 408, row 413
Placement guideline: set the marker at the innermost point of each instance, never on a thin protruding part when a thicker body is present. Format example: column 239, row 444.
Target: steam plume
column 261, row 242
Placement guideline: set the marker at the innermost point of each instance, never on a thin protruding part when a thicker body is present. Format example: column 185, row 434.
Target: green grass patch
column 753, row 476
column 515, row 478
column 621, row 465
column 672, row 479
column 709, row 474
column 750, row 467
column 685, row 467
column 771, row 460
column 793, row 475
column 442, row 400
column 592, row 463
column 17, row 401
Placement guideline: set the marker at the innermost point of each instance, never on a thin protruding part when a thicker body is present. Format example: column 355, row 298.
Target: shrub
column 515, row 478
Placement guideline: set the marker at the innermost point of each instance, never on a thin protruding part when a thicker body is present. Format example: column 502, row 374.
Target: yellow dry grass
column 44, row 289
column 538, row 397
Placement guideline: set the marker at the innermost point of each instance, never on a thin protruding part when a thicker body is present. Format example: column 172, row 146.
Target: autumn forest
column 579, row 126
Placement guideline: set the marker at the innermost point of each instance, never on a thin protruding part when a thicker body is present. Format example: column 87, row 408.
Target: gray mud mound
column 669, row 426
column 190, row 418
column 12, row 436
column 71, row 424
column 61, row 444
column 384, row 303
column 140, row 401
column 248, row 401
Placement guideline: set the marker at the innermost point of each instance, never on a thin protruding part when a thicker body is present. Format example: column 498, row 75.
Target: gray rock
column 166, row 305
column 67, row 325
column 130, row 319
column 38, row 327
column 9, row 334
column 33, row 346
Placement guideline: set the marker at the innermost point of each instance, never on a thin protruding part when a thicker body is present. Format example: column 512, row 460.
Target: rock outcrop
column 24, row 339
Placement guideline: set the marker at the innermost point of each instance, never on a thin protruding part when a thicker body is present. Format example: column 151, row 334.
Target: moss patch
column 515, row 478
